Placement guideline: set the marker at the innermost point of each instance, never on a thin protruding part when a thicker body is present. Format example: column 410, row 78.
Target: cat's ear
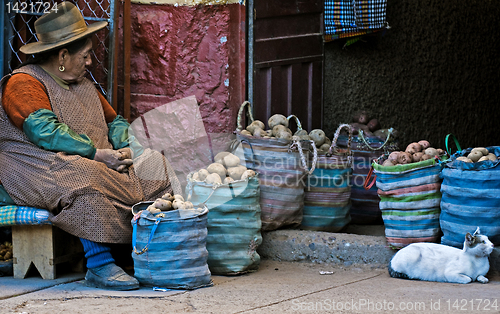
column 477, row 231
column 469, row 238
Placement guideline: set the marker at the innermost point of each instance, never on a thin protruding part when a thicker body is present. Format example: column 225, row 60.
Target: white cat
column 437, row 262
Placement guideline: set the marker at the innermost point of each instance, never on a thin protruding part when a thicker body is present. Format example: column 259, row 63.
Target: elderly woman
column 63, row 147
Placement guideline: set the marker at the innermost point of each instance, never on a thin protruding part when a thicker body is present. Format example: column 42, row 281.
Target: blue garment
column 97, row 254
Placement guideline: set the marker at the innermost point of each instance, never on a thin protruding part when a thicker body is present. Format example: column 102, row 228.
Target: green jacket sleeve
column 119, row 136
column 118, row 132
column 44, row 130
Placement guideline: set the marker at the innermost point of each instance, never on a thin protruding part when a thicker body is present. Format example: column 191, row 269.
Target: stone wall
column 184, row 50
column 434, row 72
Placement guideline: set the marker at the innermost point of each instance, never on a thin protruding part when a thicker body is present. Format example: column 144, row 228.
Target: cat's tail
column 396, row 274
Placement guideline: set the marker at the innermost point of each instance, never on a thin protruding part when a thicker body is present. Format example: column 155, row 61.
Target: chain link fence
column 18, row 18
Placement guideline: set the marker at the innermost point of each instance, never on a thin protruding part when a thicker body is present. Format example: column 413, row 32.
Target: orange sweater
column 24, row 94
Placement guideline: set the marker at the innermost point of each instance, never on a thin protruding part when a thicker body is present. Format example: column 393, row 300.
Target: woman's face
column 76, row 64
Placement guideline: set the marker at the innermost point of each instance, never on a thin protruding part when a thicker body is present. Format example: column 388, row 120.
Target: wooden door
column 288, row 60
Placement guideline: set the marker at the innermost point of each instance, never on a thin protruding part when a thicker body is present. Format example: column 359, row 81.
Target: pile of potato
column 278, row 128
column 478, row 154
column 414, row 152
column 224, row 170
column 5, row 251
column 168, row 202
column 370, row 126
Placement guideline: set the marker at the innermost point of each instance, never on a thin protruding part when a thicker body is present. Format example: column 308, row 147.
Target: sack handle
column 247, row 104
column 299, row 125
column 367, row 184
column 360, row 135
column 296, row 144
column 336, row 137
column 134, row 236
column 446, row 140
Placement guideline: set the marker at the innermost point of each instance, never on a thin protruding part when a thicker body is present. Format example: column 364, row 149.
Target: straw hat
column 57, row 29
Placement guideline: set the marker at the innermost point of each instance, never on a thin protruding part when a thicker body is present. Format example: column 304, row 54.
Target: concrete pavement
column 302, row 272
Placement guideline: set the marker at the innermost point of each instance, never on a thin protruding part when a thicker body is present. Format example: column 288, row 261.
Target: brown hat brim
column 37, row 47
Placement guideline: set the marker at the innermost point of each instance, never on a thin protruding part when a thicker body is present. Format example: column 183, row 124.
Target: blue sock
column 97, row 254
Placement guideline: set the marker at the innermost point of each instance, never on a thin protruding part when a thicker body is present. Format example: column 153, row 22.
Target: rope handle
column 336, row 137
column 296, row 145
column 446, row 140
column 299, row 125
column 134, row 236
column 247, row 104
column 367, row 184
column 360, row 135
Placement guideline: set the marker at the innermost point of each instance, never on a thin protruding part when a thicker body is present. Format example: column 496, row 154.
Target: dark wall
column 434, row 72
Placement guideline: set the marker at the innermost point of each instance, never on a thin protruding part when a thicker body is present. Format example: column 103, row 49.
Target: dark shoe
column 110, row 277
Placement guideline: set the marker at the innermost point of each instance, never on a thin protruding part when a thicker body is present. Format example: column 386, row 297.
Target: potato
column 178, row 204
column 404, row 158
column 284, row 135
column 280, row 127
column 358, row 126
column 258, row 132
column 373, row 125
column 219, row 158
column 178, row 197
column 236, row 172
column 361, row 117
column 325, row 147
column 153, row 210
column 492, row 156
column 440, row 152
column 213, row 178
column 413, row 148
column 328, row 141
column 431, row 151
column 196, row 177
column 475, row 155
column 246, row 133
column 277, row 119
column 231, row 160
column 188, row 205
column 168, row 197
column 217, row 168
column 483, row 150
column 484, row 158
column 162, row 204
column 426, row 157
column 318, row 136
column 254, row 125
column 388, row 162
column 464, row 159
column 247, row 174
column 425, row 144
column 394, row 156
column 301, row 132
column 417, row 156
column 202, row 174
column 228, row 180
column 269, row 133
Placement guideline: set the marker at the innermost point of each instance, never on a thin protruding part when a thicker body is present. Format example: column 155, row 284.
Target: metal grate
column 18, row 29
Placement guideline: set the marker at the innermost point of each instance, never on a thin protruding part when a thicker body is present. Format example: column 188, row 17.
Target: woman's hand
column 118, row 160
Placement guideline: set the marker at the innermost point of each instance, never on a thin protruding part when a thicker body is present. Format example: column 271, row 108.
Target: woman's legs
column 102, row 271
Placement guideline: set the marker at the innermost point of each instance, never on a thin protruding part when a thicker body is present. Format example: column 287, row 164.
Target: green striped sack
column 410, row 201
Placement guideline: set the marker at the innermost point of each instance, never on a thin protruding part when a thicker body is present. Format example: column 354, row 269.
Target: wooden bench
column 36, row 242
column 44, row 247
